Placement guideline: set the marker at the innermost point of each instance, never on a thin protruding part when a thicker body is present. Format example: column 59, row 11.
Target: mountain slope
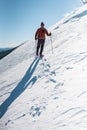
column 47, row 94
column 5, row 51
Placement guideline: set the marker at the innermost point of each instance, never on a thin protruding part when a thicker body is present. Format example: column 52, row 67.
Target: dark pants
column 40, row 46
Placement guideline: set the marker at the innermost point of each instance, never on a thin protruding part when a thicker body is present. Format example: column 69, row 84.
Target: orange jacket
column 40, row 33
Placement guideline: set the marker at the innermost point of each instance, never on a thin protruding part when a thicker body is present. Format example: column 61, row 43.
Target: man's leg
column 42, row 46
column 38, row 46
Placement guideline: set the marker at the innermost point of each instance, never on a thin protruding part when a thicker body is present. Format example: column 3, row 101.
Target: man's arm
column 36, row 35
column 48, row 34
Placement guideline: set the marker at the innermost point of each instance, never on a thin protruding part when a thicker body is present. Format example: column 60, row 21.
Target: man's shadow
column 20, row 88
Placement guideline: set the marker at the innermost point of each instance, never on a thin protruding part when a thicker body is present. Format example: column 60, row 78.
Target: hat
column 42, row 23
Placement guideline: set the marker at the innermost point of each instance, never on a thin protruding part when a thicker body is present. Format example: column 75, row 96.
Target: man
column 40, row 35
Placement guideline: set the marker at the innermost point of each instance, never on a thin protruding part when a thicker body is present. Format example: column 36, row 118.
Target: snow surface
column 48, row 93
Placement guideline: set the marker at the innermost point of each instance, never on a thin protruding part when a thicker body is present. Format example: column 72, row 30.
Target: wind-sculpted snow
column 78, row 16
column 48, row 93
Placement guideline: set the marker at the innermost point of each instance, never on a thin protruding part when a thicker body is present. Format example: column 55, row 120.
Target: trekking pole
column 35, row 47
column 51, row 44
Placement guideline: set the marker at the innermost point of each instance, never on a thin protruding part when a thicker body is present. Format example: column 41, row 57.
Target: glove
column 50, row 34
column 35, row 38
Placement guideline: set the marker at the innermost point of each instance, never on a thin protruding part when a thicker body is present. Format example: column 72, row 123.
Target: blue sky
column 19, row 19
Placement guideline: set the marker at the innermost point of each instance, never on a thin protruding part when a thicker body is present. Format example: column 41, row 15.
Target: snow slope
column 47, row 94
